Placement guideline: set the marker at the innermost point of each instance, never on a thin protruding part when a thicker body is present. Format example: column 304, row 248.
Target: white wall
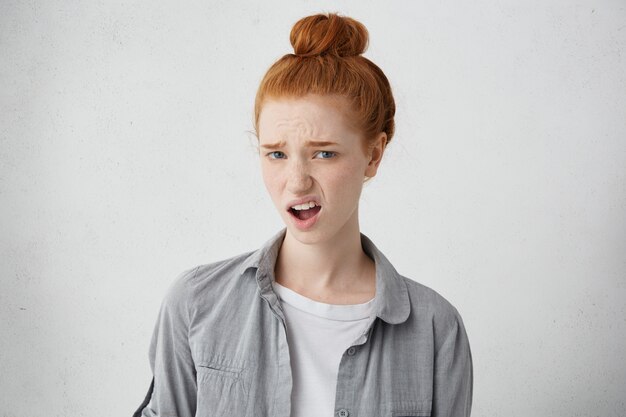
column 125, row 158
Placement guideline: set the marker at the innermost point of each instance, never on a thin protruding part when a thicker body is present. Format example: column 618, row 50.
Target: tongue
column 307, row 214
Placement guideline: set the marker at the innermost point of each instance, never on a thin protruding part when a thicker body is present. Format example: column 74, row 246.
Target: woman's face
column 310, row 151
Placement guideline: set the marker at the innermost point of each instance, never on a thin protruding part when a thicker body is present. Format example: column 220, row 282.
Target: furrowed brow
column 310, row 143
column 313, row 143
column 276, row 145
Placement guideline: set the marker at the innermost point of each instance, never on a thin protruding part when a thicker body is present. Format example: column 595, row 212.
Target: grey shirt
column 219, row 347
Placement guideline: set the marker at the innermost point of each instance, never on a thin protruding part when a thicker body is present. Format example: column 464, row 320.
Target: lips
column 304, row 219
column 303, row 200
column 306, row 214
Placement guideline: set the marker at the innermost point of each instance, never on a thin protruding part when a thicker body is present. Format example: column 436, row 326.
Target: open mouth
column 305, row 214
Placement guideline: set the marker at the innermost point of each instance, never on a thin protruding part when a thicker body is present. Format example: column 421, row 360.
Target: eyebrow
column 309, row 143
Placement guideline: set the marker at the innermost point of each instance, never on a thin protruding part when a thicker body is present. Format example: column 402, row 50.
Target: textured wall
column 126, row 157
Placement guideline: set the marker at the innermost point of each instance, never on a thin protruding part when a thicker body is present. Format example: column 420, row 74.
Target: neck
column 335, row 270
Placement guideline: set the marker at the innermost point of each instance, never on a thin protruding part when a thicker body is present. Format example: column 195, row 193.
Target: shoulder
column 427, row 299
column 193, row 283
column 428, row 304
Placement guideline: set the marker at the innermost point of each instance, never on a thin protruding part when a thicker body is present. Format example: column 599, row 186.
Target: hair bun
column 330, row 33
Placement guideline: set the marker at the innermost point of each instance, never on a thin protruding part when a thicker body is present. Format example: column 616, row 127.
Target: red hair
column 327, row 60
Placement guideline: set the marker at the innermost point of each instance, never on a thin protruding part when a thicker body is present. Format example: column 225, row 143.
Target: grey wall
column 126, row 157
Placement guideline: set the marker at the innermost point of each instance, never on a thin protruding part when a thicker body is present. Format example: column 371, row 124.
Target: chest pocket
column 222, row 388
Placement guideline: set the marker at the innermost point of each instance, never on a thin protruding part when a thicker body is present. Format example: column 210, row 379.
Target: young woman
column 316, row 322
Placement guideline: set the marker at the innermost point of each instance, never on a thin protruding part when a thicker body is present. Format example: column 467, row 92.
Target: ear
column 376, row 154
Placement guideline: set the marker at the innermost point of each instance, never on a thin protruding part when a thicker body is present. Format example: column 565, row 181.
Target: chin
column 305, row 236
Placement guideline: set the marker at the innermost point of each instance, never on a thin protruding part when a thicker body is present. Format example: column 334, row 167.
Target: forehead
column 308, row 116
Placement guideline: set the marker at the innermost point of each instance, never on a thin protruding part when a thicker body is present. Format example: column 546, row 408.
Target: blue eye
column 327, row 152
column 275, row 152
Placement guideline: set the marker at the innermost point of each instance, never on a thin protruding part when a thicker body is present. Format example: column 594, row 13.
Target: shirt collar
column 392, row 299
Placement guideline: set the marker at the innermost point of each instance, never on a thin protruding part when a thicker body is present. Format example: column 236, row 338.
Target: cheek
column 353, row 171
column 347, row 179
column 267, row 171
column 265, row 175
column 273, row 183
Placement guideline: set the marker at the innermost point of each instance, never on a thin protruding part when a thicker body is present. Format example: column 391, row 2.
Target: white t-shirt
column 318, row 334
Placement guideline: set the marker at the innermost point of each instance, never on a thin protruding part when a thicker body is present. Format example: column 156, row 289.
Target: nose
column 299, row 178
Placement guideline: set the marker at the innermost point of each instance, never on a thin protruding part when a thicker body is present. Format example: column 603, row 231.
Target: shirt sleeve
column 174, row 393
column 453, row 373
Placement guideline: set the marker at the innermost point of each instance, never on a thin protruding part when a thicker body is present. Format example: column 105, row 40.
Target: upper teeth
column 304, row 206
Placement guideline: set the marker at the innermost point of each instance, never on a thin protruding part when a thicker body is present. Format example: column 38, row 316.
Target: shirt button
column 343, row 413
column 351, row 350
